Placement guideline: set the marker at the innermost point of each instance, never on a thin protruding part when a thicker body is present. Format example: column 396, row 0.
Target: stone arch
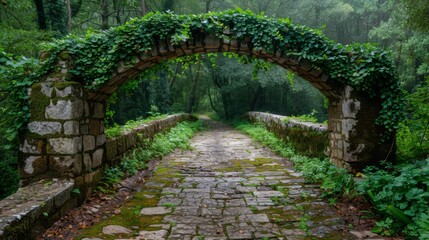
column 65, row 134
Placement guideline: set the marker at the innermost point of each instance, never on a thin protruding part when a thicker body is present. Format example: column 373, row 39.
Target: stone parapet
column 310, row 139
column 28, row 212
column 116, row 147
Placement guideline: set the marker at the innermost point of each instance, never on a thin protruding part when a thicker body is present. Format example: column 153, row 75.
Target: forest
column 226, row 85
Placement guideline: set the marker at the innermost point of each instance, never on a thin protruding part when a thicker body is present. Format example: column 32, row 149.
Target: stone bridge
column 65, row 137
column 65, row 134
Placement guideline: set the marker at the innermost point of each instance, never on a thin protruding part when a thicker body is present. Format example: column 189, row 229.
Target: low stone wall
column 118, row 146
column 307, row 138
column 28, row 212
column 33, row 208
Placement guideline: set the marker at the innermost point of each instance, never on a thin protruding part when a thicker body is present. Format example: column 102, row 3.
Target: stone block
column 350, row 108
column 67, row 206
column 92, row 177
column 111, row 148
column 32, row 146
column 71, row 128
column 86, row 109
column 84, row 129
column 62, row 164
column 64, row 145
column 94, row 127
column 101, row 140
column 98, row 110
column 87, row 163
column 97, row 158
column 88, row 143
column 46, row 89
column 34, row 165
column 65, row 92
column 64, row 109
column 44, row 128
column 61, row 198
column 101, row 127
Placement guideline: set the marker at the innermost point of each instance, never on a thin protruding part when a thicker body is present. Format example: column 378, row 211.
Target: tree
column 56, row 13
column 418, row 14
column 41, row 18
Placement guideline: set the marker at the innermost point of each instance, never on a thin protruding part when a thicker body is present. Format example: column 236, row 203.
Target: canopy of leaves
column 362, row 66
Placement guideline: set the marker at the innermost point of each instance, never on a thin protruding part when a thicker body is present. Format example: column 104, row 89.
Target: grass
column 161, row 145
column 118, row 130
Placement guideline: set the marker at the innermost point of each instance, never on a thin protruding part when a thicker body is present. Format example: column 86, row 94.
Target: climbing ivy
column 16, row 76
column 365, row 67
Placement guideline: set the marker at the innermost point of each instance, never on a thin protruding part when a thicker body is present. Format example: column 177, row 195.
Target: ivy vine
column 365, row 67
column 16, row 76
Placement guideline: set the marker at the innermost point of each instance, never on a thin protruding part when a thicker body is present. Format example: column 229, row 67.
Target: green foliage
column 400, row 196
column 334, row 181
column 363, row 66
column 117, row 130
column 23, row 42
column 16, row 75
column 301, row 118
column 57, row 18
column 418, row 13
column 413, row 134
column 161, row 145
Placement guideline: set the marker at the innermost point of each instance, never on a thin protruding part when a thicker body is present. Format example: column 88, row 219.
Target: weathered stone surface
column 155, row 211
column 22, row 211
column 101, row 139
column 64, row 164
column 97, row 158
column 35, row 165
column 98, row 110
column 33, row 146
column 64, row 145
column 112, row 149
column 66, row 92
column 219, row 193
column 64, row 109
column 71, row 128
column 44, row 128
column 153, row 235
column 268, row 194
column 87, row 163
column 47, row 89
column 88, row 143
column 307, row 138
column 115, row 230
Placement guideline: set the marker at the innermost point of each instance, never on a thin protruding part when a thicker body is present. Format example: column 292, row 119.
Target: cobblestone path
column 226, row 187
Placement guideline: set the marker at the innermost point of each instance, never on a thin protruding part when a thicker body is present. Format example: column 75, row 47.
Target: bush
column 400, row 197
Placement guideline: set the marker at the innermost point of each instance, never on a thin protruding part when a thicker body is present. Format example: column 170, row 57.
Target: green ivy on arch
column 365, row 67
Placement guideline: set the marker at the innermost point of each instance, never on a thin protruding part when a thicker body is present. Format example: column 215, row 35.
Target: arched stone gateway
column 65, row 135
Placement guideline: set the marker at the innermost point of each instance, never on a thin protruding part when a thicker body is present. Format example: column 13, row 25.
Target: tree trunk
column 117, row 9
column 105, row 14
column 41, row 18
column 143, row 7
column 255, row 98
column 69, row 15
column 56, row 12
column 193, row 95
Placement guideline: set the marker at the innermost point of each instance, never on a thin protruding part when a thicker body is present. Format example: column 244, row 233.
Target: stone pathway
column 226, row 187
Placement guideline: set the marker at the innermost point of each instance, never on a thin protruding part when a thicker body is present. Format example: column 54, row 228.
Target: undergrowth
column 334, row 181
column 400, row 198
column 399, row 194
column 118, row 130
column 161, row 145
